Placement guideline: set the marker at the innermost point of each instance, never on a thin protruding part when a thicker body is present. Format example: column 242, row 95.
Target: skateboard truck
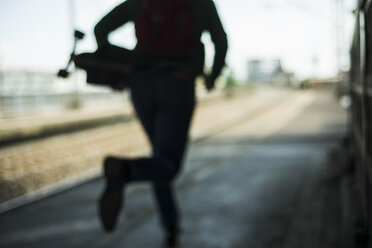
column 64, row 73
column 109, row 65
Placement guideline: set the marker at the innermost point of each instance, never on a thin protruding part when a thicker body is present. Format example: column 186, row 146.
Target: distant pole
column 76, row 102
column 72, row 14
column 339, row 34
column 314, row 65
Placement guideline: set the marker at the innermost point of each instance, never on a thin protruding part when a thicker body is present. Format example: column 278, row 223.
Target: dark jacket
column 205, row 18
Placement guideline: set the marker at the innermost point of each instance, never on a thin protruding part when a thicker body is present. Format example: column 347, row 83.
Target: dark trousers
column 164, row 104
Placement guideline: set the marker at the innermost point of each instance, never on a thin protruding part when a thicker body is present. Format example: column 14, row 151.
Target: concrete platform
column 273, row 181
column 38, row 167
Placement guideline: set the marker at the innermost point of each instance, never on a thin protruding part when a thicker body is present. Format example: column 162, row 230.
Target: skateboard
column 109, row 66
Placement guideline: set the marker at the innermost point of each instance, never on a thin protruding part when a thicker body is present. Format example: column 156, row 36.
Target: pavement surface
column 35, row 168
column 269, row 181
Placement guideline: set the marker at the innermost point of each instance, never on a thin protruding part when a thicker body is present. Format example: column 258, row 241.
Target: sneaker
column 112, row 199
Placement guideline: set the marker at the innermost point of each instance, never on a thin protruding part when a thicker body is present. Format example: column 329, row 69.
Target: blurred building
column 269, row 72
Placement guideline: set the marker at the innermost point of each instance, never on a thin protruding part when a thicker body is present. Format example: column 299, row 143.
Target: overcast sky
column 36, row 34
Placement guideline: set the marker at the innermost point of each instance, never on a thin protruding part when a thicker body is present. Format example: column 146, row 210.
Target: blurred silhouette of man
column 169, row 55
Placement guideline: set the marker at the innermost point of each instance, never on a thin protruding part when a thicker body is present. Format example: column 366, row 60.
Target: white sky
column 36, row 34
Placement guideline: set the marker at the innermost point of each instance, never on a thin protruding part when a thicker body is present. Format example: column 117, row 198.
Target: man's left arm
column 114, row 19
column 219, row 38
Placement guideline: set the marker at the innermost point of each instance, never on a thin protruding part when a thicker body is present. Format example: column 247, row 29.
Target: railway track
column 35, row 169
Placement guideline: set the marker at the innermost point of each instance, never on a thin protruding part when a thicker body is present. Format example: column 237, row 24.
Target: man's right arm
column 117, row 17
